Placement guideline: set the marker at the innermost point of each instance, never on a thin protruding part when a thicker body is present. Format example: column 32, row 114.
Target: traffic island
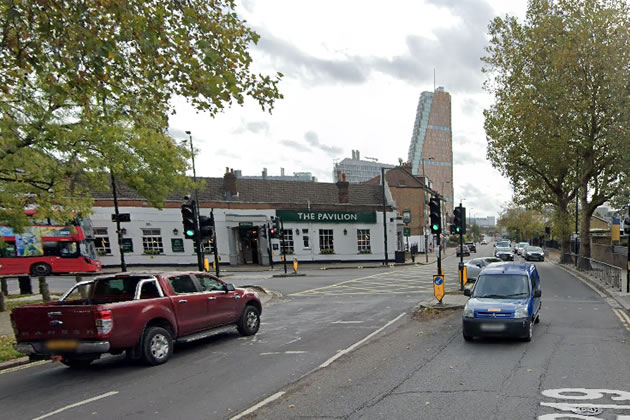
column 450, row 301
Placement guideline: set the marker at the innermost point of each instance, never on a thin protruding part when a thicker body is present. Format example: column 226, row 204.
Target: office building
column 431, row 148
column 357, row 170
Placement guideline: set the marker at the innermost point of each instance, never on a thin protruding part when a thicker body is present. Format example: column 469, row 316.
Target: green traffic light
column 434, row 227
column 190, row 233
column 457, row 229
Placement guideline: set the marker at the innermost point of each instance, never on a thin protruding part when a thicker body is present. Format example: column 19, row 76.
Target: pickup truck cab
column 141, row 313
column 505, row 301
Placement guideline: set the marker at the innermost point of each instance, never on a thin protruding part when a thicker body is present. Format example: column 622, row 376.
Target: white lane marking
column 358, row 343
column 271, row 353
column 26, row 366
column 570, row 406
column 347, row 322
column 77, row 404
column 257, row 406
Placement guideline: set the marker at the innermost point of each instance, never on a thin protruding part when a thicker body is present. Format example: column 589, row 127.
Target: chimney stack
column 281, row 171
column 229, row 184
column 358, row 155
column 264, row 173
column 342, row 188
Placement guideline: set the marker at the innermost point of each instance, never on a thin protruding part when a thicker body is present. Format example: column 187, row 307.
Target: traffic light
column 436, row 216
column 460, row 219
column 206, row 227
column 626, row 226
column 452, row 229
column 189, row 216
column 274, row 230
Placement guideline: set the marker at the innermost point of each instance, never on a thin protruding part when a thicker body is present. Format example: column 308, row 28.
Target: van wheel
column 468, row 337
column 41, row 269
column 530, row 332
column 157, row 346
column 249, row 322
column 77, row 363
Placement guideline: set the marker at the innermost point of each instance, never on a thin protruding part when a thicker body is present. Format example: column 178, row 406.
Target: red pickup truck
column 141, row 313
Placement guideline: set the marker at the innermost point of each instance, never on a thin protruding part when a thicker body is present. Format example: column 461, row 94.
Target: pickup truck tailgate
column 46, row 321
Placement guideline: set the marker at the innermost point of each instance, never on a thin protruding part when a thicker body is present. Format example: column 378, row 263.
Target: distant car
column 520, row 247
column 503, row 244
column 472, row 247
column 483, row 242
column 466, row 252
column 504, row 253
column 505, row 301
column 533, row 253
column 474, row 266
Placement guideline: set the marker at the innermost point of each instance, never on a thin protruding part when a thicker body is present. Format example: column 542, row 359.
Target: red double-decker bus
column 44, row 249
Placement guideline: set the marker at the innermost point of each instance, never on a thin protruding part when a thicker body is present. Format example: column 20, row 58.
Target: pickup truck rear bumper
column 83, row 347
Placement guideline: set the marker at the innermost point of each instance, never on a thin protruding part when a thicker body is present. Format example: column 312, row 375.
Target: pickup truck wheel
column 77, row 363
column 250, row 321
column 157, row 346
column 41, row 269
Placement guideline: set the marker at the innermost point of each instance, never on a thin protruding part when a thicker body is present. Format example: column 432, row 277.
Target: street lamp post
column 199, row 248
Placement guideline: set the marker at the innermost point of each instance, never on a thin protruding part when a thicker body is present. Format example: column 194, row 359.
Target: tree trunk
column 562, row 223
column 43, row 289
column 3, row 306
column 4, row 287
column 585, row 232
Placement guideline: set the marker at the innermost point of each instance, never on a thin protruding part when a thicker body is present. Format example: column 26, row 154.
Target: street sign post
column 122, row 217
column 438, row 287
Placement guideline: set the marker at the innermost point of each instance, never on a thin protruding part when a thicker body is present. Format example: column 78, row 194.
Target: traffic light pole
column 197, row 239
column 628, row 263
column 284, row 248
column 439, row 258
column 268, row 233
column 216, row 245
column 123, row 264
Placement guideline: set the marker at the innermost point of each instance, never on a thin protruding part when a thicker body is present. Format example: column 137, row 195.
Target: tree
column 556, row 128
column 87, row 89
column 522, row 224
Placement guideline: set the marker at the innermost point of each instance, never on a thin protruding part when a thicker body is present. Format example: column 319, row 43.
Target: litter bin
column 400, row 256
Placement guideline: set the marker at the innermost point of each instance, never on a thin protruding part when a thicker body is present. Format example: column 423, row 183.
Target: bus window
column 51, row 249
column 68, row 249
column 7, row 249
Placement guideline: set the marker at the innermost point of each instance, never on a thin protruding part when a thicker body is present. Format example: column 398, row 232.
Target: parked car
column 474, row 266
column 505, row 301
column 534, row 253
column 484, row 242
column 504, row 253
column 466, row 252
column 141, row 313
column 472, row 247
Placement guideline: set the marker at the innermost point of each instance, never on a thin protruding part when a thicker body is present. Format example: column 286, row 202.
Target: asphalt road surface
column 342, row 344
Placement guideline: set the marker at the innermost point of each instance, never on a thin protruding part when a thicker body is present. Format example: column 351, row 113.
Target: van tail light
column 104, row 322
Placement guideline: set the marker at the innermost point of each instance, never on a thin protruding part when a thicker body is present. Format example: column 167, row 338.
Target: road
column 409, row 368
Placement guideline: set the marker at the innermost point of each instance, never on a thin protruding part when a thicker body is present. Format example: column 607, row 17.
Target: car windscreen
column 523, row 244
column 503, row 244
column 504, row 249
column 501, row 286
column 534, row 249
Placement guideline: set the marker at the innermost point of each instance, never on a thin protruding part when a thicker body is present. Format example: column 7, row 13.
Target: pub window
column 101, row 241
column 288, row 241
column 326, row 241
column 363, row 241
column 152, row 241
column 306, row 239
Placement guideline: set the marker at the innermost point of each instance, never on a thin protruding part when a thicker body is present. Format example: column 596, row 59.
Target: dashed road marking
column 257, row 406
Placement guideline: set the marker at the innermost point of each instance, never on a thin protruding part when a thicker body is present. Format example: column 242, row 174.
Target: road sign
column 122, row 217
column 407, row 231
column 438, row 287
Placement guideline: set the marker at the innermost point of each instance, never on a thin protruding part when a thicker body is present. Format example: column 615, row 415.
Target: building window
column 306, row 239
column 152, row 241
column 101, row 242
column 326, row 241
column 363, row 241
column 288, row 241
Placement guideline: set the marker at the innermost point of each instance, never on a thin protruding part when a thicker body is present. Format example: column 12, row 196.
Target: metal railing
column 608, row 274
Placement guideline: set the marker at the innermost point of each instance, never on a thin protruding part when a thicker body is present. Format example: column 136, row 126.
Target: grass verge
column 6, row 349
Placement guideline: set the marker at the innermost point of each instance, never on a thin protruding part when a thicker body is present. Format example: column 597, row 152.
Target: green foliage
column 558, row 124
column 87, row 88
column 522, row 224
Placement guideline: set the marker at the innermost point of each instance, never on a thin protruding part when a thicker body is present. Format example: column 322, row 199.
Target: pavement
column 622, row 298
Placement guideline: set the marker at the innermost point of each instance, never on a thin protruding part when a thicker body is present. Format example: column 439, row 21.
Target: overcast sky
column 354, row 71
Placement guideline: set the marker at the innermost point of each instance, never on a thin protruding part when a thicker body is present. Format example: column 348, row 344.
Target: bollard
column 26, row 287
column 43, row 289
column 295, row 265
column 3, row 306
column 4, row 287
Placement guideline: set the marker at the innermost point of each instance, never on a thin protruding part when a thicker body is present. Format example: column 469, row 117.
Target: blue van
column 504, row 302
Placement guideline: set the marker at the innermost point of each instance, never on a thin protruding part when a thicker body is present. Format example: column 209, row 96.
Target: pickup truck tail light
column 104, row 322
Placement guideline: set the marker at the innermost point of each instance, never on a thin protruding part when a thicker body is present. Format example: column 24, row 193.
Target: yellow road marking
column 625, row 320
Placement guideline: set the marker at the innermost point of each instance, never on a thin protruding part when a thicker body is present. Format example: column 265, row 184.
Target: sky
column 353, row 73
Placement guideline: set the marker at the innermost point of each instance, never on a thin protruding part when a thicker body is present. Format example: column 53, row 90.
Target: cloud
column 313, row 139
column 295, row 145
column 310, row 69
column 253, row 127
column 223, row 152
